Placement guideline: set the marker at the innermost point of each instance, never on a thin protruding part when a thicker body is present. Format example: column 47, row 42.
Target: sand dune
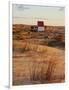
column 38, row 57
column 37, row 64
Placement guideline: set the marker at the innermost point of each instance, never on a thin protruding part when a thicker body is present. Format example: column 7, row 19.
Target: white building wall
column 40, row 28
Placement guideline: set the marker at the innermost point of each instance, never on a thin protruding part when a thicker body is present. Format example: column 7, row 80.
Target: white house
column 40, row 25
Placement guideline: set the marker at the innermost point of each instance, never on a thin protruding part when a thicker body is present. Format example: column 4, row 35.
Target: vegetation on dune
column 36, row 58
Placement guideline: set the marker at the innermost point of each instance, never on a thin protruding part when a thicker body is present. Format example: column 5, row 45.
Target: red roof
column 40, row 23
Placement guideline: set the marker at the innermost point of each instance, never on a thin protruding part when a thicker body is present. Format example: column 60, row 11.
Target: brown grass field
column 38, row 57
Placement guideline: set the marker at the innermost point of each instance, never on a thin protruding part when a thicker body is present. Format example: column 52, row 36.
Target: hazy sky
column 30, row 14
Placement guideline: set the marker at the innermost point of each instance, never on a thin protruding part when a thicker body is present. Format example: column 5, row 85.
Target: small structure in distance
column 40, row 25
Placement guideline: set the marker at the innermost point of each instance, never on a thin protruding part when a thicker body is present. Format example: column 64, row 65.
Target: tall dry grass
column 34, row 62
column 37, row 64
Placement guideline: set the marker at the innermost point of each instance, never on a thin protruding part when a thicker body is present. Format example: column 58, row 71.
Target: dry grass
column 37, row 64
column 34, row 62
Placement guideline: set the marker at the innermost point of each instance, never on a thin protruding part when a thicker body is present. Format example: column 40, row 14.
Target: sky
column 30, row 14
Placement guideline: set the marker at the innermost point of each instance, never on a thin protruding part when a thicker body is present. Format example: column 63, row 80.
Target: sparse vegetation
column 34, row 60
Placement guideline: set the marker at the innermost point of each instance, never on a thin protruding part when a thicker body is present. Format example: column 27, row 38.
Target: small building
column 40, row 25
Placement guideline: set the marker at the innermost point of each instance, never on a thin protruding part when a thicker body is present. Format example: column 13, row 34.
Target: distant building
column 40, row 25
